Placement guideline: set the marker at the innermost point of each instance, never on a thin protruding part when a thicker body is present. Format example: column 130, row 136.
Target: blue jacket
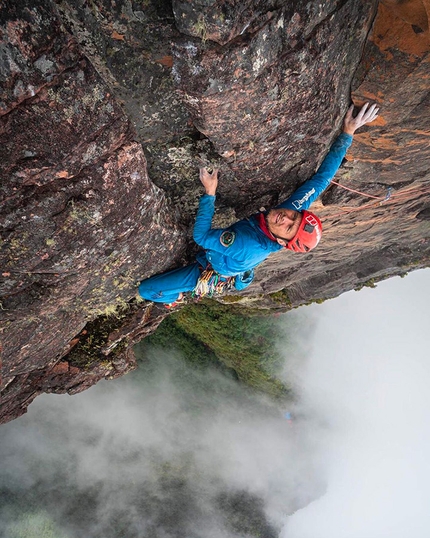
column 243, row 245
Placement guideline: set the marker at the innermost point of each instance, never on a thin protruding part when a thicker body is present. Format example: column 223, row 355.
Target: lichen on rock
column 106, row 113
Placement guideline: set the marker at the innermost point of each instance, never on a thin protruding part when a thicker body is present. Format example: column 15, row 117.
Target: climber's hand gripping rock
column 365, row 115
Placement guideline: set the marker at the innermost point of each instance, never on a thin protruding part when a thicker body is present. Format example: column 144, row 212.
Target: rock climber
column 229, row 256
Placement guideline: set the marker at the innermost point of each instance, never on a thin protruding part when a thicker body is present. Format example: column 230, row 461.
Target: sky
column 170, row 451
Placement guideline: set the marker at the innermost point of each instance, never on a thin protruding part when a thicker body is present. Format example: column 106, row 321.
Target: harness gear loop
column 211, row 283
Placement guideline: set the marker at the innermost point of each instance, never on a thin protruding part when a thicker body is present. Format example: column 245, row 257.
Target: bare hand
column 209, row 180
column 365, row 115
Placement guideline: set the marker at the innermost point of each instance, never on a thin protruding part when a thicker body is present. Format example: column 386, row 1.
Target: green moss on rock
column 281, row 297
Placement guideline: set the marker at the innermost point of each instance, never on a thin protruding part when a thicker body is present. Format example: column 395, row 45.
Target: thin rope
column 418, row 189
column 357, row 192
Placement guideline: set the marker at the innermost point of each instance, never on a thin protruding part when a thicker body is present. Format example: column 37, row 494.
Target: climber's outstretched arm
column 311, row 189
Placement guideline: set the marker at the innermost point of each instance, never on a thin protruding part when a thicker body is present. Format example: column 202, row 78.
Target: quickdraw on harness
column 211, row 283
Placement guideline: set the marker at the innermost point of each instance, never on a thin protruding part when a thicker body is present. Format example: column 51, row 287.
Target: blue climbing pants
column 165, row 288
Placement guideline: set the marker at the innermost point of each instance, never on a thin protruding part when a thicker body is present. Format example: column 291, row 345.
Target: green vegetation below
column 210, row 333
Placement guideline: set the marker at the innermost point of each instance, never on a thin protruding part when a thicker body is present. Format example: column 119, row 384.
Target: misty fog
column 175, row 451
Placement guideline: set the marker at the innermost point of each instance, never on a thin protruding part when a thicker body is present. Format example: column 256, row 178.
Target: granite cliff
column 107, row 110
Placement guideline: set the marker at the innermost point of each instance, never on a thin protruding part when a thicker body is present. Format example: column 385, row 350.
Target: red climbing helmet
column 308, row 235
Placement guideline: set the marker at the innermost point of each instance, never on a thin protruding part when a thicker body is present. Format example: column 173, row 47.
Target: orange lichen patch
column 414, row 146
column 366, row 95
column 412, row 11
column 166, row 60
column 73, row 342
column 380, row 143
column 379, row 122
column 392, row 32
column 61, row 368
column 116, row 35
column 62, row 174
column 123, row 157
column 415, row 131
column 386, row 143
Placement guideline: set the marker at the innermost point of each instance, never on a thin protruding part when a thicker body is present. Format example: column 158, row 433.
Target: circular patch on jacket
column 227, row 238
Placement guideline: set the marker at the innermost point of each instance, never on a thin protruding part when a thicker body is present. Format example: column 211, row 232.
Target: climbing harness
column 211, row 283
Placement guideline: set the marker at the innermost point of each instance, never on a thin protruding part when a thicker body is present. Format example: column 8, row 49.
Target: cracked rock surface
column 107, row 109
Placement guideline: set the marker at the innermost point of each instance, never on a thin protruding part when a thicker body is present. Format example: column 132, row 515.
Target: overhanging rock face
column 80, row 218
column 387, row 231
column 272, row 99
column 104, row 124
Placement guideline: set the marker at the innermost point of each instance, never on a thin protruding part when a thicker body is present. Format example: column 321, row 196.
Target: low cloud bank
column 167, row 451
column 170, row 451
column 366, row 384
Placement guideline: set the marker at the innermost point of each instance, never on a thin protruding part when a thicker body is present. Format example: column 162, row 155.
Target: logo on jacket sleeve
column 298, row 203
column 227, row 238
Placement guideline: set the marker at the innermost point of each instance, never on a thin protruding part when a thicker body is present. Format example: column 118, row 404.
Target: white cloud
column 169, row 451
column 368, row 377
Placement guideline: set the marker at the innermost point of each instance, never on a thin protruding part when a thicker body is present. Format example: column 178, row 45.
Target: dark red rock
column 73, row 183
column 271, row 102
column 81, row 222
column 34, row 50
column 222, row 21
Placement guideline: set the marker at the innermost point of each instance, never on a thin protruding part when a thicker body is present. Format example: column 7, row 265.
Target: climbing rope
column 357, row 192
column 389, row 196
